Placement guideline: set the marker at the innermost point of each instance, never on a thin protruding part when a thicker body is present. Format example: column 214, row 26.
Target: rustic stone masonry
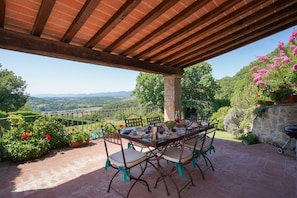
column 172, row 96
column 270, row 126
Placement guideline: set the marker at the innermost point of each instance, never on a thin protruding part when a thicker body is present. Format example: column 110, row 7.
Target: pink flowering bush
column 278, row 74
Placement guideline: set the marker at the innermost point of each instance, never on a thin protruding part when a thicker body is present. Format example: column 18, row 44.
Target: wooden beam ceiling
column 36, row 45
column 153, row 36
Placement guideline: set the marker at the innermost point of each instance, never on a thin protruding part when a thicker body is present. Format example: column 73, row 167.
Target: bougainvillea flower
column 262, row 71
column 254, row 68
column 280, row 45
column 276, row 58
column 286, row 59
column 272, row 65
column 255, row 75
column 282, row 53
column 261, row 83
column 48, row 137
column 262, row 58
column 25, row 136
column 293, row 36
column 294, row 68
column 294, row 51
column 257, row 78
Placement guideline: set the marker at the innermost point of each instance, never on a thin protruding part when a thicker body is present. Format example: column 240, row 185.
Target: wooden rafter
column 152, row 36
column 204, row 19
column 166, row 26
column 80, row 19
column 186, row 54
column 114, row 20
column 2, row 12
column 159, row 10
column 257, row 34
column 207, row 30
column 42, row 17
column 36, row 45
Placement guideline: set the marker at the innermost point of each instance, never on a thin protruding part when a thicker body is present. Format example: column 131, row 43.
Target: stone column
column 172, row 96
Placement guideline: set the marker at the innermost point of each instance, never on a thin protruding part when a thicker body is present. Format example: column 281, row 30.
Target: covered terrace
column 154, row 36
column 240, row 171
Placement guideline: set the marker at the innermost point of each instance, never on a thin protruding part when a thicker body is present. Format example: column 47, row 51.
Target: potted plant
column 170, row 124
column 77, row 138
column 280, row 95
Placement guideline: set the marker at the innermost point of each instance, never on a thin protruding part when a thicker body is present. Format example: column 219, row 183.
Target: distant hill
column 61, row 102
column 101, row 94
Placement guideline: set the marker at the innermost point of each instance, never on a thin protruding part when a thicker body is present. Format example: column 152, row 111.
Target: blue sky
column 45, row 75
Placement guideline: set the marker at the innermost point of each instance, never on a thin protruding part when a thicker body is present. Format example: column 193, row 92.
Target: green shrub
column 219, row 117
column 52, row 127
column 249, row 138
column 232, row 121
column 259, row 110
column 23, row 150
column 246, row 122
column 77, row 135
column 25, row 141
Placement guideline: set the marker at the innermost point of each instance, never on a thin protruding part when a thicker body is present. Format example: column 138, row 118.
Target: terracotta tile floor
column 240, row 171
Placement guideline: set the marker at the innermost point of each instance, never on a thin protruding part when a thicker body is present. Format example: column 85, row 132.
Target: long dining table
column 144, row 137
column 166, row 137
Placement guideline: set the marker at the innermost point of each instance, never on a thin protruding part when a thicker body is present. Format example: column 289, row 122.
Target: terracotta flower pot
column 78, row 144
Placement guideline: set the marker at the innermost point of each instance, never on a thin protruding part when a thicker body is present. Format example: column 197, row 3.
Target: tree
column 198, row 90
column 12, row 96
column 226, row 90
column 149, row 89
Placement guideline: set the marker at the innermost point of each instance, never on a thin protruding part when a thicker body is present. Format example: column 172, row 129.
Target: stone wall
column 270, row 126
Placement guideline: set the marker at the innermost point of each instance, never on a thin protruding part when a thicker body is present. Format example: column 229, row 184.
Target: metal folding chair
column 134, row 121
column 124, row 159
column 179, row 156
column 153, row 120
column 204, row 145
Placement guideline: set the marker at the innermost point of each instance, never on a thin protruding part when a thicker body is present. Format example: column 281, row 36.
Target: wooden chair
column 153, row 120
column 124, row 159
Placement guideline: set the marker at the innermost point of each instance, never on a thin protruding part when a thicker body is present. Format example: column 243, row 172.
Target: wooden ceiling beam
column 226, row 50
column 238, row 39
column 166, row 26
column 187, row 52
column 194, row 37
column 149, row 18
column 42, row 16
column 83, row 15
column 112, row 22
column 35, row 45
column 256, row 35
column 2, row 12
column 202, row 20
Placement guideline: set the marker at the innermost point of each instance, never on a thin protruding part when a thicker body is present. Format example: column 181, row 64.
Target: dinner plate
column 128, row 130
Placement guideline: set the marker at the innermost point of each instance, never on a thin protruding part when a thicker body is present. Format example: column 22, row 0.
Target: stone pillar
column 172, row 96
